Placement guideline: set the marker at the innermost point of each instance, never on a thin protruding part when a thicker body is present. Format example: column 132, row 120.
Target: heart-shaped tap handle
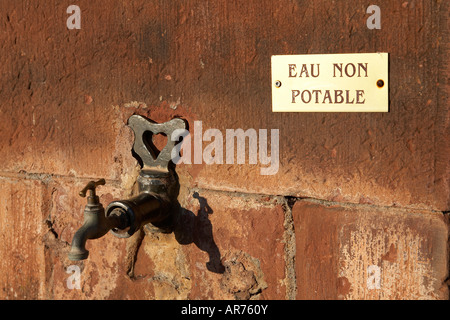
column 140, row 125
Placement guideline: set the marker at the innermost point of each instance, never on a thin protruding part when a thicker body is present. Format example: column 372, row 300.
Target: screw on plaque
column 141, row 126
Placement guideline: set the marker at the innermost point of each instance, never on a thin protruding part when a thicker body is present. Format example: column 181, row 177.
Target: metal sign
column 354, row 82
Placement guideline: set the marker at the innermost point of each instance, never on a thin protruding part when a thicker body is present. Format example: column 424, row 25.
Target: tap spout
column 95, row 226
column 155, row 204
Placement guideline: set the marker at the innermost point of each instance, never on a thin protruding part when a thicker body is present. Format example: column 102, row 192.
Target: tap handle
column 141, row 125
column 91, row 186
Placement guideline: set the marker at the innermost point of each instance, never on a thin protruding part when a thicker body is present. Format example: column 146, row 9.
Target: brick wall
column 358, row 208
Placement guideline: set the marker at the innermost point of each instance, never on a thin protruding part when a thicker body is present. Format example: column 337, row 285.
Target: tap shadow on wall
column 198, row 229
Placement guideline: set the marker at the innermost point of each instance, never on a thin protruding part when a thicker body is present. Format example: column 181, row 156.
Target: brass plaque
column 352, row 82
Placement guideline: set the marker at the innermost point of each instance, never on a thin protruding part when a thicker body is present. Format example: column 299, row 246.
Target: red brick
column 338, row 246
column 22, row 251
column 66, row 95
column 169, row 58
column 249, row 234
column 235, row 251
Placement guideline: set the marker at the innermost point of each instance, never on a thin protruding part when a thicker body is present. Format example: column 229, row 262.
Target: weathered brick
column 366, row 252
column 64, row 93
column 227, row 246
column 21, row 251
column 249, row 234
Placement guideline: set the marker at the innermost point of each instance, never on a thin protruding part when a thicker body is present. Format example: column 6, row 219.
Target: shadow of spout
column 198, row 229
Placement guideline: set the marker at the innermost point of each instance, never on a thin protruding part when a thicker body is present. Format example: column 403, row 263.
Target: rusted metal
column 155, row 203
column 96, row 223
column 150, row 159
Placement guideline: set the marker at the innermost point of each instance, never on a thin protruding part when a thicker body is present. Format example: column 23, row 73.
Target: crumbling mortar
column 133, row 245
column 47, row 178
column 289, row 249
column 328, row 203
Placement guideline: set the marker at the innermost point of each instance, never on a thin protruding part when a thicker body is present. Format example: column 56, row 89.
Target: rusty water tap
column 157, row 193
column 96, row 224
